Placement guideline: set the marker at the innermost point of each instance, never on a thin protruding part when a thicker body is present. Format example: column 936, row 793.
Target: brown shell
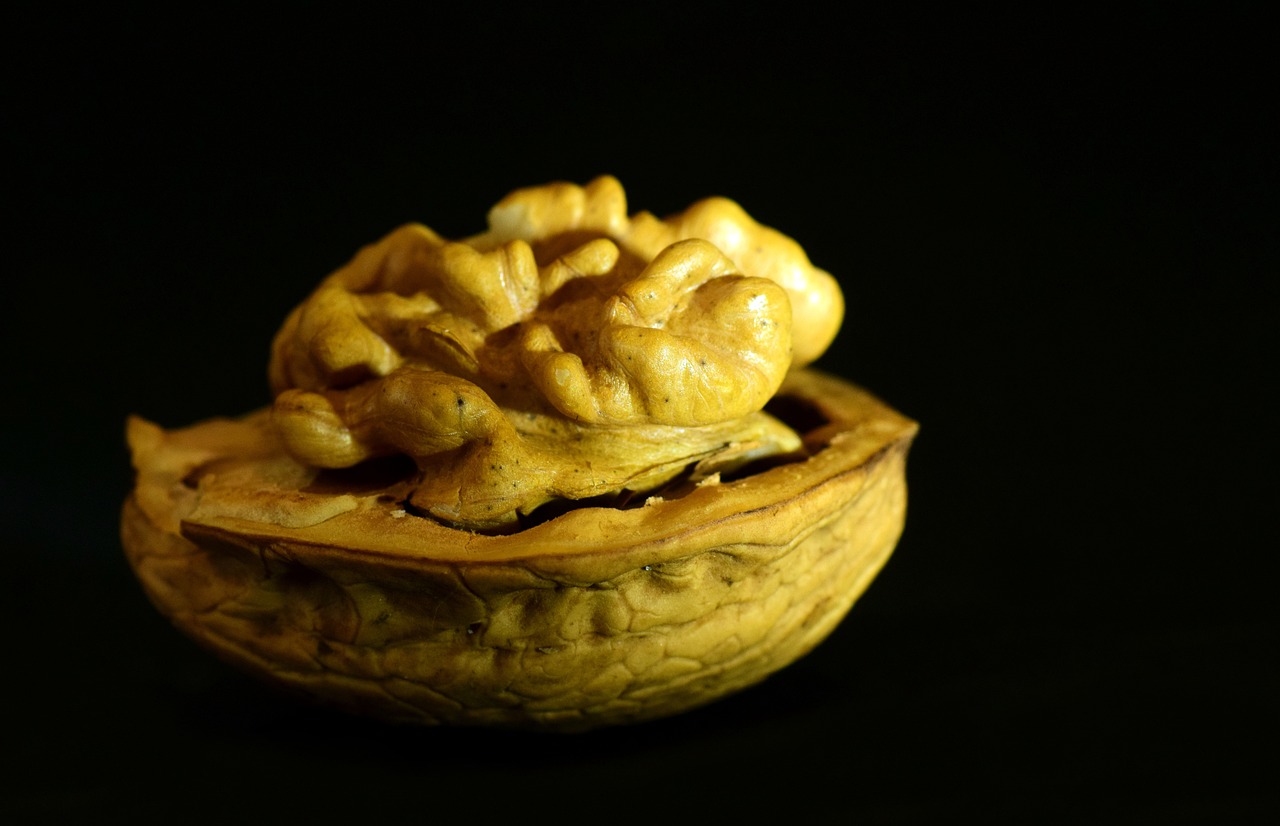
column 599, row 616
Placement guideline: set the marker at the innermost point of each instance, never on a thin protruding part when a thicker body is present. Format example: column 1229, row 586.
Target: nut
column 533, row 479
column 567, row 353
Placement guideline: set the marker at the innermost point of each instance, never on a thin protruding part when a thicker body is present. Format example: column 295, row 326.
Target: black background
column 1055, row 230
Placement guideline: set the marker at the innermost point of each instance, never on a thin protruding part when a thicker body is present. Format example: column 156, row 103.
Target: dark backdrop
column 1056, row 235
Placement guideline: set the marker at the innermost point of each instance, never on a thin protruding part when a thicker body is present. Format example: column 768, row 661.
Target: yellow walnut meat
column 527, row 479
column 570, row 352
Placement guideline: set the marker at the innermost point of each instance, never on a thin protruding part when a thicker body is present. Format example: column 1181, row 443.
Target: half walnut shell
column 325, row 583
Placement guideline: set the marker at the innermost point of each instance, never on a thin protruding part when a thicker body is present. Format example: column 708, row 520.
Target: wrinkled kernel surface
column 568, row 352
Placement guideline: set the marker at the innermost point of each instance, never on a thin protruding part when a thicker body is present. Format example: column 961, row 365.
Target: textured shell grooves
column 596, row 617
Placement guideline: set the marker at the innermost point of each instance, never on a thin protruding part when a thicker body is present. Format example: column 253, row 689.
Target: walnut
column 564, row 473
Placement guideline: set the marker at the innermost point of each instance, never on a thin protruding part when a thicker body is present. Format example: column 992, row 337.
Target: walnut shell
column 323, row 582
